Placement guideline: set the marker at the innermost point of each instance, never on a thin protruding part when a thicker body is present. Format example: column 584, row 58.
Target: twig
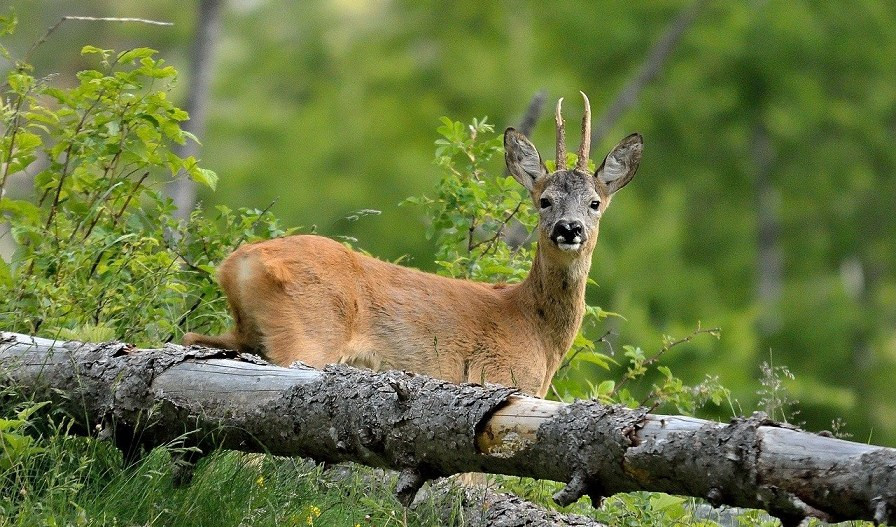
column 245, row 234
column 492, row 240
column 569, row 359
column 12, row 143
column 127, row 202
column 55, row 26
column 186, row 261
column 556, row 393
column 118, row 19
column 666, row 347
column 470, row 233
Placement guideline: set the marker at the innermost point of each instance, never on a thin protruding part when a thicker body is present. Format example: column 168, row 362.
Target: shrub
column 99, row 254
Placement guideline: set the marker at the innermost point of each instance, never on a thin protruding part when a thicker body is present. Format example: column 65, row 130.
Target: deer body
column 311, row 299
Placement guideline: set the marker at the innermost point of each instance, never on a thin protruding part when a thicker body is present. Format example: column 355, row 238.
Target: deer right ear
column 522, row 159
column 621, row 163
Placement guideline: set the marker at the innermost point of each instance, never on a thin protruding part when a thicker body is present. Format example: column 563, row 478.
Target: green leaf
column 204, row 176
column 24, row 211
column 600, row 359
column 662, row 501
column 11, row 424
column 26, row 413
column 191, row 136
column 86, row 50
column 633, row 352
column 8, row 23
column 128, row 57
column 19, row 82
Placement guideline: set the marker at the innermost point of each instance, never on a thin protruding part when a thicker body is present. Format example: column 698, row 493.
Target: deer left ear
column 522, row 159
column 621, row 163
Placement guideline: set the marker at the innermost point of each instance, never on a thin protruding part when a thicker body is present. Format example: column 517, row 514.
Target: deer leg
column 226, row 341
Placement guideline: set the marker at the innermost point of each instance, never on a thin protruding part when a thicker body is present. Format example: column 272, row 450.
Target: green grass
column 62, row 479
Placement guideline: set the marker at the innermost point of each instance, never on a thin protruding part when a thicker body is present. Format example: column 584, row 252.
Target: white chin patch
column 569, row 247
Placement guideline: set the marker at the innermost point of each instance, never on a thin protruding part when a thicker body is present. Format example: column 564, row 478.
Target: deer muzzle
column 568, row 235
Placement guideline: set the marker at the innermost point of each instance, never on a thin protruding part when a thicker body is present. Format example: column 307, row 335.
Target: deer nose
column 568, row 232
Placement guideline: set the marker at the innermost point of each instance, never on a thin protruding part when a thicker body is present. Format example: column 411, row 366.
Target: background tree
column 202, row 57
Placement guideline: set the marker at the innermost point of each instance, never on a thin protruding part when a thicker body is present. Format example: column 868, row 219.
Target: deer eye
column 544, row 203
column 595, row 204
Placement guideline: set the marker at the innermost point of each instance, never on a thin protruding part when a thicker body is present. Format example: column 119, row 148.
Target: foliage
column 472, row 209
column 100, row 255
column 15, row 444
column 773, row 395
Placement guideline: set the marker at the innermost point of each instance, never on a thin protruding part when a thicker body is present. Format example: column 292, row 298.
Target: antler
column 585, row 148
column 561, row 138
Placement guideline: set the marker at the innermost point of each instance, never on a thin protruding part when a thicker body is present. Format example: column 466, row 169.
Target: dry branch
column 427, row 428
column 652, row 66
column 54, row 27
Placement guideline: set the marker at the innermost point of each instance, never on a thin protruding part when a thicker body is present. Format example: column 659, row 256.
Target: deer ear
column 522, row 159
column 621, row 163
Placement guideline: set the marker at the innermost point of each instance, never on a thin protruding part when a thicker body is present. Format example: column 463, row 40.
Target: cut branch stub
column 409, row 482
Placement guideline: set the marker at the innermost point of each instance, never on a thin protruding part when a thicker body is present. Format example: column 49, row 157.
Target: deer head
column 571, row 200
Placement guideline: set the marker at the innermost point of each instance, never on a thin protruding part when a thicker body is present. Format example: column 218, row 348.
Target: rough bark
column 482, row 507
column 427, row 428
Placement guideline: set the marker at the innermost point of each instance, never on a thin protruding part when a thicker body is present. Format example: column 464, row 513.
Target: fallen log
column 427, row 428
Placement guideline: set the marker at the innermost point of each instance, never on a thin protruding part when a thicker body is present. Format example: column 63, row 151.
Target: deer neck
column 554, row 292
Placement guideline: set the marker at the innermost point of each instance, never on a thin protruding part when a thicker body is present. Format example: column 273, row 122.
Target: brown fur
column 310, row 299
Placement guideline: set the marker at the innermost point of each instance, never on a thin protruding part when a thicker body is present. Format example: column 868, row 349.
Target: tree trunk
column 428, row 428
column 769, row 262
column 208, row 21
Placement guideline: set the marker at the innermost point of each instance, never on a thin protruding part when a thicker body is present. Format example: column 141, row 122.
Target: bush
column 99, row 254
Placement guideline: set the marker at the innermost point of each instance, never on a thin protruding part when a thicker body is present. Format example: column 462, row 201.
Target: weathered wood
column 480, row 506
column 794, row 473
column 428, row 428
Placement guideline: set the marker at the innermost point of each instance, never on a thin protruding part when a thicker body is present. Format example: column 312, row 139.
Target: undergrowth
column 51, row 477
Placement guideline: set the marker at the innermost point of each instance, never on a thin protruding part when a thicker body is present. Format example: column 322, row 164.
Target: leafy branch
column 93, row 255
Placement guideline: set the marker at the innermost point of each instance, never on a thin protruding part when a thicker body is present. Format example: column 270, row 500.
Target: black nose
column 568, row 232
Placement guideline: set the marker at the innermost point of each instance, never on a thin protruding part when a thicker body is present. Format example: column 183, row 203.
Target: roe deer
column 310, row 299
